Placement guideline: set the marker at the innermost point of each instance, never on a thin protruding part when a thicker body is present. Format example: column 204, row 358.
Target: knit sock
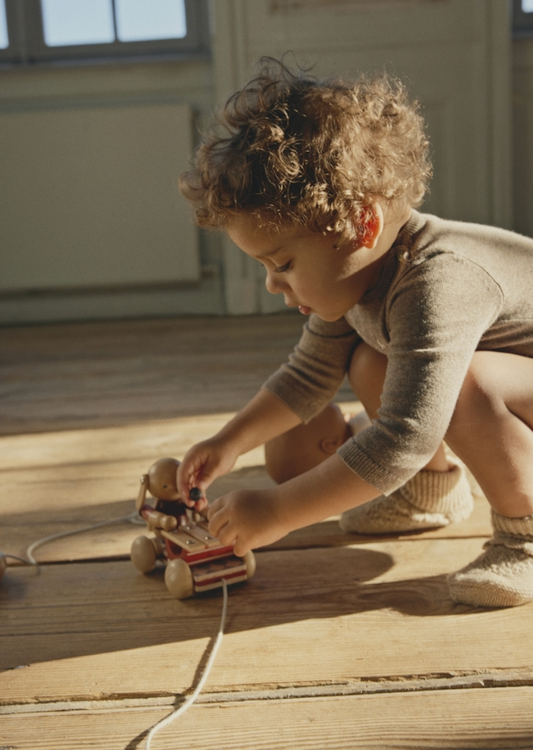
column 503, row 575
column 428, row 500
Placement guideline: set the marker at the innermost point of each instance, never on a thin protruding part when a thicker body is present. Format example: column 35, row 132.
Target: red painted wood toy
column 195, row 560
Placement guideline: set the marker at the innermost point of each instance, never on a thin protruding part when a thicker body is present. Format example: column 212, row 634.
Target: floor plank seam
column 278, row 547
column 418, row 684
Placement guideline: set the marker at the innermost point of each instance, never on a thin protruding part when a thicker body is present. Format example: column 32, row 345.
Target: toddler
column 431, row 320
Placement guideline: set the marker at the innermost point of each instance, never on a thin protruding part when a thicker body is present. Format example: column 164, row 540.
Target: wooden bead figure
column 195, row 560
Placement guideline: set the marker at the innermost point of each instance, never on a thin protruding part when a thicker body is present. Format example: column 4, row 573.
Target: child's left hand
column 248, row 519
column 254, row 518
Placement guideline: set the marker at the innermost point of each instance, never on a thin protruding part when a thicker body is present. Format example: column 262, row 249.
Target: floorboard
column 308, row 616
column 339, row 641
column 85, row 375
column 496, row 719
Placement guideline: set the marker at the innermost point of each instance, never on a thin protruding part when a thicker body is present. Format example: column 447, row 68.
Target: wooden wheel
column 178, row 579
column 144, row 553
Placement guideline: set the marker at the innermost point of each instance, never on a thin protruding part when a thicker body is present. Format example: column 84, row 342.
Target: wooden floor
column 337, row 642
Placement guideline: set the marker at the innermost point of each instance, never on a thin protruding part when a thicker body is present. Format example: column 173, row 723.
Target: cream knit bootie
column 503, row 575
column 428, row 500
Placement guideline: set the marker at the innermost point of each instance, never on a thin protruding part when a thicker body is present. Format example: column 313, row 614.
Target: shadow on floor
column 79, row 609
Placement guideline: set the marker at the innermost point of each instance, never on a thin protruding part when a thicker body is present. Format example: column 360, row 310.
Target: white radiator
column 89, row 198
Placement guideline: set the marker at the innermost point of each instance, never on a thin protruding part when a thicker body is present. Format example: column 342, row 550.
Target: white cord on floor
column 132, row 517
column 190, row 700
column 15, row 557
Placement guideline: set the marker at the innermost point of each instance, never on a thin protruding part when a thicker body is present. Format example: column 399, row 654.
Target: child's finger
column 217, row 518
column 240, row 548
column 202, row 505
column 214, row 508
column 188, row 477
column 199, row 471
column 226, row 533
column 210, row 517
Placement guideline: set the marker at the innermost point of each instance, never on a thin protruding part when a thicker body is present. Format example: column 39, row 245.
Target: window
column 34, row 31
column 522, row 17
column 4, row 38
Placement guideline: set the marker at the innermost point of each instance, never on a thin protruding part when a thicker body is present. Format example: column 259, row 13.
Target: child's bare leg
column 492, row 431
column 306, row 445
column 436, row 496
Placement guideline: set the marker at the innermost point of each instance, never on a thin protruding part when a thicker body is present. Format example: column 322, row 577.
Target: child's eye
column 282, row 269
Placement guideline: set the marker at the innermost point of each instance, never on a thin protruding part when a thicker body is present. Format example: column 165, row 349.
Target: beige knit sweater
column 446, row 289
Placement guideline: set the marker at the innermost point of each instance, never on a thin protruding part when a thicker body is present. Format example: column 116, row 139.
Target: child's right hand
column 203, row 463
column 263, row 418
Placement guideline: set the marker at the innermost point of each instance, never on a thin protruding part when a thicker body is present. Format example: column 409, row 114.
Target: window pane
column 4, row 38
column 77, row 22
column 139, row 20
column 527, row 6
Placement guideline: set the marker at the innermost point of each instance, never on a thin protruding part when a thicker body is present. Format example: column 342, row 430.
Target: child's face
column 311, row 273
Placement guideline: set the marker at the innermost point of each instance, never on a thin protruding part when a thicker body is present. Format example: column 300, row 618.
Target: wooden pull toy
column 195, row 561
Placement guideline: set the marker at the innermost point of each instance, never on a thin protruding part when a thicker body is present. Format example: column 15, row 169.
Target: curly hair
column 310, row 153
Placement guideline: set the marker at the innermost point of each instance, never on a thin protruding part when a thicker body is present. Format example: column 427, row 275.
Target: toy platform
column 339, row 641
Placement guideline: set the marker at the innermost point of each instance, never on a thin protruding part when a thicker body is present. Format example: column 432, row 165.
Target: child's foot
column 429, row 500
column 503, row 575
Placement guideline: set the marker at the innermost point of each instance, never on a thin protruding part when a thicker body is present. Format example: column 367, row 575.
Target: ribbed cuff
column 437, row 491
column 522, row 527
column 362, row 465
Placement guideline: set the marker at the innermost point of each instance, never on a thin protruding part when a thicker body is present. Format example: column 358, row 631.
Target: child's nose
column 274, row 283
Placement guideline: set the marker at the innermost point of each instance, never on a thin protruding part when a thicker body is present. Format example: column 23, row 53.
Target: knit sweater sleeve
column 435, row 317
column 316, row 368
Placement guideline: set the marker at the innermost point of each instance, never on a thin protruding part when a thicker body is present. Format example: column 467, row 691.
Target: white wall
column 104, row 206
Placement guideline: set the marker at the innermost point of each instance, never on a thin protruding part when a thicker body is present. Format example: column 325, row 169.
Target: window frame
column 522, row 21
column 28, row 48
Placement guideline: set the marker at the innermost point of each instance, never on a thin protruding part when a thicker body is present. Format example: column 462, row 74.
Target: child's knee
column 307, row 445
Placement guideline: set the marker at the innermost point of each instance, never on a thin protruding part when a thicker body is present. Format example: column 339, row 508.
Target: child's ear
column 372, row 226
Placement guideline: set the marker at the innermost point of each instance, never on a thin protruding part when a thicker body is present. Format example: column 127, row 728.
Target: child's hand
column 203, row 463
column 247, row 519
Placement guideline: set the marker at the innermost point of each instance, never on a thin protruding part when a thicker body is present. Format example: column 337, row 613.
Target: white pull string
column 15, row 557
column 131, row 517
column 190, row 700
